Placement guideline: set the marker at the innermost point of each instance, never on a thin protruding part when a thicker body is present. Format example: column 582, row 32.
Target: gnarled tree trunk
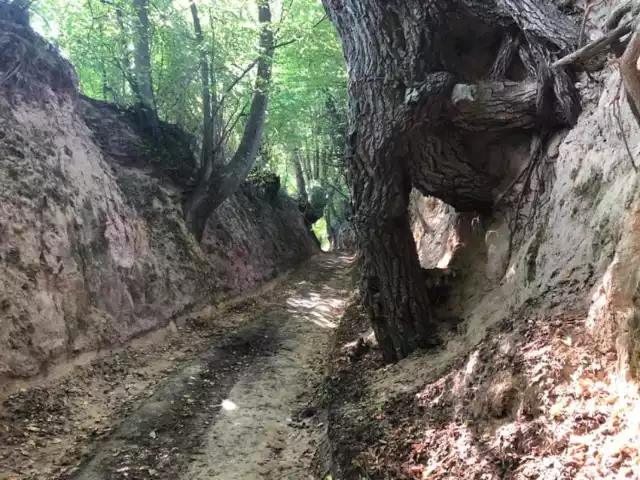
column 413, row 114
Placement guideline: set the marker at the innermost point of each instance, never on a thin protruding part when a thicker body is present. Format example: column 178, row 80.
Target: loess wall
column 93, row 248
column 576, row 248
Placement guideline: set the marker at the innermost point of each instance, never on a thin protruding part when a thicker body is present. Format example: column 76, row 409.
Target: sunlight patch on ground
column 228, row 405
column 315, row 308
column 600, row 299
column 587, row 428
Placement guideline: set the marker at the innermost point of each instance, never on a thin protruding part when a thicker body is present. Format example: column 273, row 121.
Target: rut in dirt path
column 230, row 413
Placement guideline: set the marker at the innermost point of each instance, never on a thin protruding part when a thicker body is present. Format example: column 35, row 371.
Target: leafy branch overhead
column 201, row 65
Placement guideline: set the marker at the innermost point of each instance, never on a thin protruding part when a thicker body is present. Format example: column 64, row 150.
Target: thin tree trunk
column 206, row 158
column 143, row 66
column 322, row 170
column 330, row 218
column 217, row 121
column 126, row 59
column 410, row 124
column 225, row 179
column 306, row 163
column 330, row 235
column 316, row 160
column 300, row 181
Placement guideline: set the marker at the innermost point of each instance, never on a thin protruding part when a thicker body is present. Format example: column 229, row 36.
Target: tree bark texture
column 15, row 12
column 225, row 179
column 416, row 103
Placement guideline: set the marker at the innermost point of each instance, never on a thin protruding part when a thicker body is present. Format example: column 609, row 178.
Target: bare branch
column 595, row 47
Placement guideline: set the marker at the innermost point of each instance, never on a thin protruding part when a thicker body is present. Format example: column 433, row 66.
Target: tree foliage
column 307, row 96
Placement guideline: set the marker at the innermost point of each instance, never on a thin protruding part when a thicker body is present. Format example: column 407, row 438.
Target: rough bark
column 390, row 286
column 610, row 39
column 412, row 113
column 144, row 81
column 506, row 54
column 498, row 106
column 225, row 179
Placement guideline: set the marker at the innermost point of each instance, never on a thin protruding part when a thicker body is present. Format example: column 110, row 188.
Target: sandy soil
column 226, row 396
column 535, row 399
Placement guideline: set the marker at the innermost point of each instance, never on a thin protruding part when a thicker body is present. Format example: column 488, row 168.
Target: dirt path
column 231, row 407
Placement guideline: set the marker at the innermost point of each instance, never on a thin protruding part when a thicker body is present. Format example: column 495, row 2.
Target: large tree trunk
column 411, row 119
column 225, row 179
column 391, row 286
column 144, row 81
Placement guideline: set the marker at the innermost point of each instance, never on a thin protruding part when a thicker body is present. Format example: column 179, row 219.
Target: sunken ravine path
column 233, row 412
